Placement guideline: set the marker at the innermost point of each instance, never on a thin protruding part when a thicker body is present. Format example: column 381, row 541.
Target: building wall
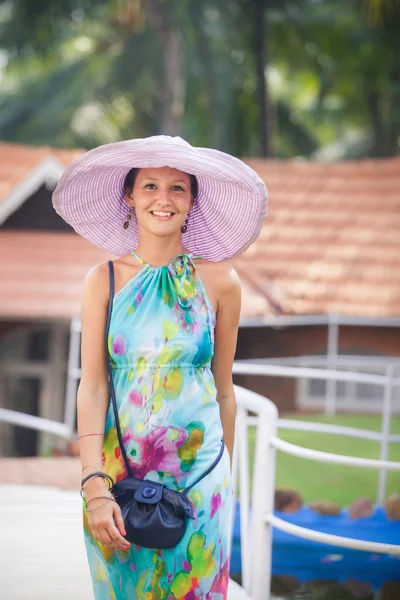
column 33, row 367
column 38, row 214
column 268, row 342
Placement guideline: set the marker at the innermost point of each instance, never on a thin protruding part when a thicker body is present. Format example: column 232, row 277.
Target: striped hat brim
column 227, row 216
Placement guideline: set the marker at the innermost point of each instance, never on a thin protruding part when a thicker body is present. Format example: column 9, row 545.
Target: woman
column 172, row 213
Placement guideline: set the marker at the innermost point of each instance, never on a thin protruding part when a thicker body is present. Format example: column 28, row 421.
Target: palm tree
column 379, row 9
column 260, row 51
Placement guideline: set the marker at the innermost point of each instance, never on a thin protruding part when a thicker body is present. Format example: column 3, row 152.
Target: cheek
column 142, row 203
column 182, row 204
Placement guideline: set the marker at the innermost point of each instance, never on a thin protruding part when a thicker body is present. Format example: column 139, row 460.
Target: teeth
column 158, row 213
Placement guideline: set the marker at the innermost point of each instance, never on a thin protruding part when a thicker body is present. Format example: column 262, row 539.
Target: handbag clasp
column 149, row 492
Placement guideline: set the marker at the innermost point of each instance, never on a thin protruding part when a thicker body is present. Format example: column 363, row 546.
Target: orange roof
column 53, row 289
column 42, row 276
column 330, row 243
column 331, row 240
column 17, row 161
column 42, row 273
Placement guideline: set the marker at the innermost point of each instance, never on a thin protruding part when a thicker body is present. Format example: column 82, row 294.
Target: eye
column 150, row 184
column 178, row 187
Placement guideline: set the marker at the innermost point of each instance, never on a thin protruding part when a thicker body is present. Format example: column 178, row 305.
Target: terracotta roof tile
column 331, row 240
column 43, row 276
column 44, row 273
column 18, row 160
column 330, row 243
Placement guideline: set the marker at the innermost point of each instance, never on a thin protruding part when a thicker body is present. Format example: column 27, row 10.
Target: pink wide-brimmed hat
column 227, row 217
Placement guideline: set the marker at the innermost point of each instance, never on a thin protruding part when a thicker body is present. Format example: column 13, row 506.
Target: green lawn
column 323, row 481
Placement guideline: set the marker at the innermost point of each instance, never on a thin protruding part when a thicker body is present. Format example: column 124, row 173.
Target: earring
column 185, row 225
column 128, row 217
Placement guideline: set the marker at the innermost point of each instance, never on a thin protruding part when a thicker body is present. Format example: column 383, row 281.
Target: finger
column 106, row 537
column 117, row 538
column 119, row 522
column 99, row 531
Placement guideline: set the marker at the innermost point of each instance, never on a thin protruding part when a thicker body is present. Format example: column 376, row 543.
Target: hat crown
column 176, row 139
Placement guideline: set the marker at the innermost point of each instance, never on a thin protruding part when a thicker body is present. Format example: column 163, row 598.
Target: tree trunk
column 173, row 90
column 380, row 142
column 260, row 51
column 210, row 80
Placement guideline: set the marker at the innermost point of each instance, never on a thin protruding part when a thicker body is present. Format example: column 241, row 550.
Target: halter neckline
column 178, row 267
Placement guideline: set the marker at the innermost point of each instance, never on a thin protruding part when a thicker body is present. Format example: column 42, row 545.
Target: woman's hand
column 106, row 523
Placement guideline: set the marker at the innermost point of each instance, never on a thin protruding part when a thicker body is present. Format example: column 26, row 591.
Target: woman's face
column 162, row 198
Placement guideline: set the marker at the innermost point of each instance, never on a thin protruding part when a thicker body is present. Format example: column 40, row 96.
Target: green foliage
column 86, row 72
column 338, row 483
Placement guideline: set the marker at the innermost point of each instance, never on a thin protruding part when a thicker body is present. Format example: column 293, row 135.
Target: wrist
column 95, row 485
column 97, row 498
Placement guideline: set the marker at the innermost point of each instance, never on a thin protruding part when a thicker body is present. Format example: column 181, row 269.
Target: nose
column 163, row 197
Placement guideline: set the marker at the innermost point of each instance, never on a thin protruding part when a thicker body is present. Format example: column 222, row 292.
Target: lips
column 162, row 215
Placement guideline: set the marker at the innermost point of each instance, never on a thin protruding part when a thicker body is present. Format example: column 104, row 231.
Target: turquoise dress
column 161, row 344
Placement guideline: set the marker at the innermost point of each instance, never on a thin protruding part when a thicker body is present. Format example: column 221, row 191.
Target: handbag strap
column 110, row 377
column 207, row 471
column 114, row 402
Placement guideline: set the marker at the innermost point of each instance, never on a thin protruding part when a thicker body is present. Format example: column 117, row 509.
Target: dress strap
column 138, row 258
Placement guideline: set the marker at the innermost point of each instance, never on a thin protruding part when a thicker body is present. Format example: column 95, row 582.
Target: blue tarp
column 308, row 560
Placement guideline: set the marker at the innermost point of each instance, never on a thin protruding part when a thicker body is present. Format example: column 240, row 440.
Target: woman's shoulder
column 96, row 283
column 98, row 277
column 97, row 274
column 222, row 274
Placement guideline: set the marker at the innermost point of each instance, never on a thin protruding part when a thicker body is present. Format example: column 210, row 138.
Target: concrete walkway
column 42, row 552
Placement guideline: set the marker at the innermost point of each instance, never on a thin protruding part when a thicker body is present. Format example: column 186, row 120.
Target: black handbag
column 154, row 515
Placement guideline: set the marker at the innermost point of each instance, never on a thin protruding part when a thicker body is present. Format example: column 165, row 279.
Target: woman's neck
column 159, row 253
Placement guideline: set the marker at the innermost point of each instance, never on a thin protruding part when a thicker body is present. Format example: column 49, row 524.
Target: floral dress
column 161, row 344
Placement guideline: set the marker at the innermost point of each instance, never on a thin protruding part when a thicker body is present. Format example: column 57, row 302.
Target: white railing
column 256, row 532
column 388, row 381
column 334, row 322
column 263, row 480
column 15, row 417
column 256, row 529
column 351, row 396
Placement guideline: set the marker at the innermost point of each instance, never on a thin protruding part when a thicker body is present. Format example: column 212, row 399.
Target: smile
column 162, row 215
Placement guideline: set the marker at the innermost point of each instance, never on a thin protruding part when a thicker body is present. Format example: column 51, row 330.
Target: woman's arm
column 226, row 330
column 104, row 519
column 93, row 390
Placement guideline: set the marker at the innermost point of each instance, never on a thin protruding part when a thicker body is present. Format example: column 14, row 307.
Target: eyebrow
column 174, row 180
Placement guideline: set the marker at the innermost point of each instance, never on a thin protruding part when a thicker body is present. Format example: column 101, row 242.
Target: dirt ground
column 60, row 472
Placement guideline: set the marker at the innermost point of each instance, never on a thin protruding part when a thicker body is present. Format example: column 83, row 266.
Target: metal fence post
column 72, row 369
column 263, row 503
column 385, row 431
column 332, row 354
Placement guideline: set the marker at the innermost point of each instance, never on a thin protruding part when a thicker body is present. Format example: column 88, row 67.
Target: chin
column 163, row 231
